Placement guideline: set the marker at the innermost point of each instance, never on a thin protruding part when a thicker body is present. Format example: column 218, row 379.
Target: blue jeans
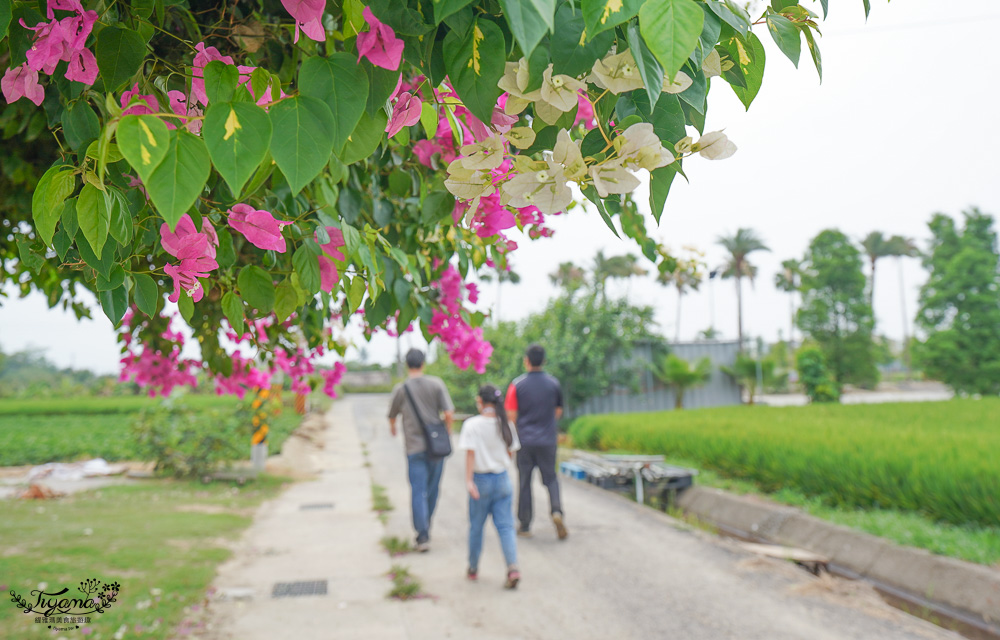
column 425, row 477
column 496, row 498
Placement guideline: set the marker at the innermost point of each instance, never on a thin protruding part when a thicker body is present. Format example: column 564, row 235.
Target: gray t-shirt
column 432, row 399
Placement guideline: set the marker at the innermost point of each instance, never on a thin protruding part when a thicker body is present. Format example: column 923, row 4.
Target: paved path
column 625, row 572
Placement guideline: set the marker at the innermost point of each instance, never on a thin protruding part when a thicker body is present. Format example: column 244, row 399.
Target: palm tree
column 569, row 277
column 740, row 245
column 876, row 247
column 686, row 276
column 618, row 267
column 902, row 247
column 502, row 276
column 678, row 374
column 788, row 280
column 747, row 372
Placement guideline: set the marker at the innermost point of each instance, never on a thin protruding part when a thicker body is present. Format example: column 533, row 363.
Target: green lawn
column 160, row 540
column 38, row 431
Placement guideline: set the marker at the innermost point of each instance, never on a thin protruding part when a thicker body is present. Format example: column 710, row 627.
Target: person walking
column 490, row 441
column 429, row 396
column 534, row 403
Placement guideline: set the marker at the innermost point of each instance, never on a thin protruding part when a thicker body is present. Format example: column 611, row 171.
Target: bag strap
column 414, row 406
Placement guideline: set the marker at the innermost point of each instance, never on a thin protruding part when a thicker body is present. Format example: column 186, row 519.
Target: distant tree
column 710, row 333
column 687, row 275
column 747, row 372
column 681, row 375
column 614, row 267
column 569, row 277
column 903, row 247
column 960, row 305
column 740, row 245
column 501, row 276
column 814, row 376
column 788, row 279
column 835, row 312
column 876, row 247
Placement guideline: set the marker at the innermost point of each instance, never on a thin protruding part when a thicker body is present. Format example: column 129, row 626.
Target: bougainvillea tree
column 277, row 169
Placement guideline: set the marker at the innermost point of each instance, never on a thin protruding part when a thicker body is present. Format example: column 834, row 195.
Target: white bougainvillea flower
column 567, row 153
column 684, row 145
column 640, row 148
column 514, row 82
column 560, row 91
column 521, row 137
column 485, row 155
column 467, row 183
column 715, row 146
column 617, row 73
column 680, row 84
column 612, row 177
column 712, row 64
column 544, row 187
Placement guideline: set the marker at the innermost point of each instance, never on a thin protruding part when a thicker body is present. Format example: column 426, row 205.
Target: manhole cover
column 296, row 589
column 317, row 505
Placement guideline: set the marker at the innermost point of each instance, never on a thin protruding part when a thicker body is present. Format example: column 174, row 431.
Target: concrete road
column 625, row 571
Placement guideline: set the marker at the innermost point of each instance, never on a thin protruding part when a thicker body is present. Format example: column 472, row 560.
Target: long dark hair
column 491, row 396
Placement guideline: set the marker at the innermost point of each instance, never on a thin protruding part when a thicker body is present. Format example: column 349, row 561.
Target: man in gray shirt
column 432, row 400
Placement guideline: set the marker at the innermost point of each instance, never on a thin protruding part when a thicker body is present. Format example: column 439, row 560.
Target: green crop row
column 104, row 405
column 941, row 459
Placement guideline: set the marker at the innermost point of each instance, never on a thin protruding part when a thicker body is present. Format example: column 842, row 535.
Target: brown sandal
column 513, row 577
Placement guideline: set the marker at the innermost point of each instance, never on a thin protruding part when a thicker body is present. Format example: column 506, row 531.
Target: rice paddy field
column 938, row 459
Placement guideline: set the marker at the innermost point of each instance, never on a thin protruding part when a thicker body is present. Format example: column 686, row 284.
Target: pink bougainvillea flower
column 328, row 273
column 203, row 57
column 63, row 41
column 196, row 252
column 171, row 240
column 379, row 44
column 258, row 227
column 331, row 378
column 182, row 106
column 82, row 67
column 22, row 82
column 308, row 16
column 147, row 103
column 405, row 113
column 584, row 111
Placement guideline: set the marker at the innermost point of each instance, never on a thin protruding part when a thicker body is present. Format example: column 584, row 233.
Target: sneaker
column 513, row 577
column 423, row 547
column 471, row 574
column 524, row 533
column 557, row 519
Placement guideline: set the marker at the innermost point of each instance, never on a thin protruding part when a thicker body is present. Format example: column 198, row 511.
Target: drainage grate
column 316, row 505
column 297, row 589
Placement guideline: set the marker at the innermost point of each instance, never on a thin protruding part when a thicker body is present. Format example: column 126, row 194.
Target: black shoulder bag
column 436, row 434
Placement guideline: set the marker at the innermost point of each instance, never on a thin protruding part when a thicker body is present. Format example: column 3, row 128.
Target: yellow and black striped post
column 258, row 441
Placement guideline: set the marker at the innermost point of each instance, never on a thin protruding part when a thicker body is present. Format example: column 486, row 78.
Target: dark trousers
column 543, row 457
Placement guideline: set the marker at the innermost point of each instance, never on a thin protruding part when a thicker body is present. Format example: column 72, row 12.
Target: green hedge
column 110, row 405
column 938, row 458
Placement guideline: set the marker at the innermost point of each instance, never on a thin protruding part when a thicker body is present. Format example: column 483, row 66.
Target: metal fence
column 652, row 395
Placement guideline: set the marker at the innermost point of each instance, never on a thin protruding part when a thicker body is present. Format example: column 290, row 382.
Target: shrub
column 814, row 376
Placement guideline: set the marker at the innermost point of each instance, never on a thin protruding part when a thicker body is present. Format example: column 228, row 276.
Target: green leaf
column 232, row 306
column 61, row 242
column 444, row 8
column 671, row 29
column 237, row 135
column 376, row 312
column 356, row 293
column 6, row 11
column 225, row 255
column 569, row 56
column 366, row 138
column 752, row 66
column 121, row 218
column 185, row 304
column 68, row 218
column 55, row 185
column 591, row 194
column 667, row 117
column 80, row 124
column 144, row 141
column 342, row 85
column 601, row 15
column 119, row 55
column 306, row 264
column 475, row 66
column 147, row 294
column 649, row 68
column 114, row 303
column 303, row 139
column 381, row 84
column 526, row 23
column 814, row 51
column 93, row 210
column 178, row 181
column 710, row 32
column 101, row 265
column 786, row 35
column 257, row 288
column 868, row 8
column 286, row 301
column 221, row 80
column 32, row 259
column 114, row 279
column 659, row 188
column 732, row 14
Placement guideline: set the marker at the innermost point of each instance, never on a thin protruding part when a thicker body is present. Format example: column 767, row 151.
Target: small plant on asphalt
column 396, row 546
column 404, row 585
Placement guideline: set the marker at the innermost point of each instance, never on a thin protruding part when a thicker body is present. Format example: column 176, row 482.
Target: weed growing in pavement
column 396, row 546
column 691, row 519
column 380, row 501
column 404, row 585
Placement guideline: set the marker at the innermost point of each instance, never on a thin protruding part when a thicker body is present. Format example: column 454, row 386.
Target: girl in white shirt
column 489, row 441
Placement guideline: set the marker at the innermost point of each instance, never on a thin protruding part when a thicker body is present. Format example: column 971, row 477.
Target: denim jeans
column 496, row 498
column 425, row 477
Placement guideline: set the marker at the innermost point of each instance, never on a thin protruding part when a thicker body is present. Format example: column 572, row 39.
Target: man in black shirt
column 534, row 402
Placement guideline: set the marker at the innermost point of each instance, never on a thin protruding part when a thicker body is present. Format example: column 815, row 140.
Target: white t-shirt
column 482, row 435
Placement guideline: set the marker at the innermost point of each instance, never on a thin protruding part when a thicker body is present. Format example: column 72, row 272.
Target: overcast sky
column 904, row 125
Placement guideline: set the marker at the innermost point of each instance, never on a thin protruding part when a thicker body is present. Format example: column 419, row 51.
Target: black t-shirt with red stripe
column 535, row 396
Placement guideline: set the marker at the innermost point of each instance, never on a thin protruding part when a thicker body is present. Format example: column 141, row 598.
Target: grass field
column 939, row 459
column 38, row 431
column 160, row 540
